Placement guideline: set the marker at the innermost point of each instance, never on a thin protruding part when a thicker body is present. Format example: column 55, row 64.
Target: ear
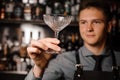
column 109, row 26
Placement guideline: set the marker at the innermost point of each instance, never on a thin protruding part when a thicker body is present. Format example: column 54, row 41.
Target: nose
column 89, row 27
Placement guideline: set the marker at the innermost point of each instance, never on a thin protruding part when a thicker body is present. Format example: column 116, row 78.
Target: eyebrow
column 93, row 20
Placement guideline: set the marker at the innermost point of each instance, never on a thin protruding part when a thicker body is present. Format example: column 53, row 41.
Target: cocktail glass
column 57, row 23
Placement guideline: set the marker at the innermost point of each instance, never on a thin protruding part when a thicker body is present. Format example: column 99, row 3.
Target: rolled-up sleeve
column 30, row 76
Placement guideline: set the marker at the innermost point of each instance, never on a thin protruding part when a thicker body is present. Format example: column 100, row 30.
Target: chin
column 91, row 43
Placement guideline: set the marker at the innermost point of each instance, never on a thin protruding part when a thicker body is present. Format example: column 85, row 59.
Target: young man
column 94, row 26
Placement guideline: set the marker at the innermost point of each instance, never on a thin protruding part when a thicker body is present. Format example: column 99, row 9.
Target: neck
column 96, row 49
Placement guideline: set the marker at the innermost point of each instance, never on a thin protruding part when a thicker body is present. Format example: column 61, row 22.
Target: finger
column 38, row 44
column 53, row 46
column 33, row 52
column 51, row 43
column 46, row 44
column 51, row 40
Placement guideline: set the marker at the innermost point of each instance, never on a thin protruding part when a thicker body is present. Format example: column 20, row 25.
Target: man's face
column 92, row 26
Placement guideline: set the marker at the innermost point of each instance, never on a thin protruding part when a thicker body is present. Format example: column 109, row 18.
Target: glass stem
column 56, row 34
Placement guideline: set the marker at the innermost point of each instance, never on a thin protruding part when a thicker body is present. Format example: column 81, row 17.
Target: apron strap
column 77, row 57
column 115, row 68
column 78, row 75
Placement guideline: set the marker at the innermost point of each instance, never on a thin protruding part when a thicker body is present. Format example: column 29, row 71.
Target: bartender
column 95, row 60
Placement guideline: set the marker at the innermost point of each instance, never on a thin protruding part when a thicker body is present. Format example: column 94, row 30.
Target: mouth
column 90, row 35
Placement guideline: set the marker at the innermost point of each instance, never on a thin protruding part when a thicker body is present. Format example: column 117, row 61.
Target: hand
column 37, row 49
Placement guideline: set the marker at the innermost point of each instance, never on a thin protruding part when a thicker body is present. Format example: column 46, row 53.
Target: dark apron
column 96, row 75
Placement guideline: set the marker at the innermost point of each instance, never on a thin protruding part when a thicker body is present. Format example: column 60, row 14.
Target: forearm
column 37, row 71
column 34, row 74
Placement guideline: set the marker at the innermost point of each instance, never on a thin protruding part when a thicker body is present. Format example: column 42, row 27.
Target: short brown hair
column 103, row 6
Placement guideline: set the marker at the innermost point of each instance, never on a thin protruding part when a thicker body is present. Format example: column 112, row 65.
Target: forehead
column 91, row 13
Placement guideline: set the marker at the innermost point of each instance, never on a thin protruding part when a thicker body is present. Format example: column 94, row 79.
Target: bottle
column 2, row 10
column 48, row 7
column 7, row 47
column 6, row 52
column 1, row 49
column 39, row 34
column 37, row 11
column 31, row 37
column 115, row 27
column 24, row 1
column 14, row 53
column 23, row 64
column 27, row 11
column 9, row 9
column 58, row 8
column 119, row 18
column 29, row 65
column 23, row 37
column 77, row 7
column 77, row 41
column 18, row 10
column 73, row 10
column 23, row 46
column 67, row 7
column 69, row 42
column 31, row 1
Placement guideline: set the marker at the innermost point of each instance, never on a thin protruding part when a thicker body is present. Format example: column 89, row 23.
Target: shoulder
column 117, row 55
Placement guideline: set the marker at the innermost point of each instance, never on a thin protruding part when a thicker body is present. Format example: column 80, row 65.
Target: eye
column 97, row 22
column 82, row 22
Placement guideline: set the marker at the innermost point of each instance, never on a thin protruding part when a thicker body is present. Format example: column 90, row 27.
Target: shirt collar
column 85, row 52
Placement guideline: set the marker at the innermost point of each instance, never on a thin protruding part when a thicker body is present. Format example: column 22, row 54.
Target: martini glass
column 57, row 23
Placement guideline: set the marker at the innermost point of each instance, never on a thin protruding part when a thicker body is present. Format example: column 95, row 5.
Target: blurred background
column 22, row 20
